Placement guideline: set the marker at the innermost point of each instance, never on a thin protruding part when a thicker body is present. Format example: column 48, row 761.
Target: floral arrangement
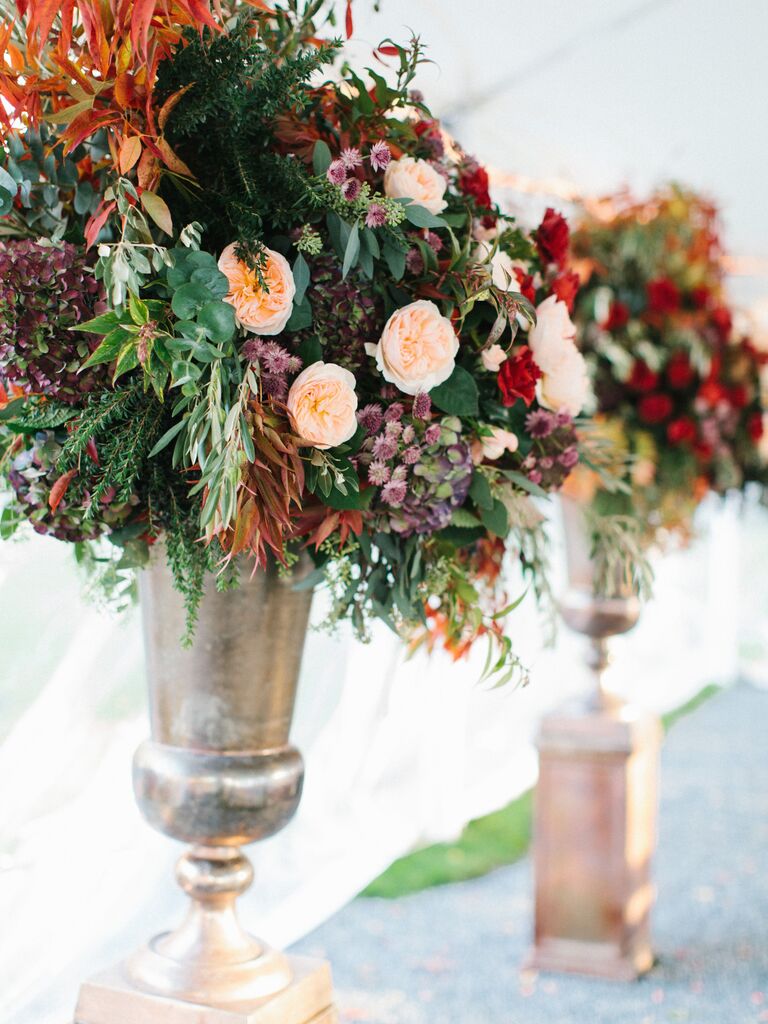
column 676, row 385
column 253, row 311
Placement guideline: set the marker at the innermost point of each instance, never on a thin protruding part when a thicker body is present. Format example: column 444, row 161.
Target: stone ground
column 452, row 955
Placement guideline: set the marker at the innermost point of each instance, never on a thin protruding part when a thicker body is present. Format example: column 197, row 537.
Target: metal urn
column 596, row 800
column 218, row 772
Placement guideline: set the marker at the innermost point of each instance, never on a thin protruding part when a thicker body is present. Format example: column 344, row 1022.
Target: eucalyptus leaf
column 457, row 396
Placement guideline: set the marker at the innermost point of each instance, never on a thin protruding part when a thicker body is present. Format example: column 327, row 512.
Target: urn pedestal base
column 111, row 998
column 595, row 832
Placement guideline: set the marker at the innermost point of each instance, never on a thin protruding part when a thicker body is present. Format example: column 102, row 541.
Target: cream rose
column 322, row 404
column 499, row 442
column 553, row 334
column 566, row 386
column 417, row 349
column 493, row 357
column 408, row 178
column 258, row 309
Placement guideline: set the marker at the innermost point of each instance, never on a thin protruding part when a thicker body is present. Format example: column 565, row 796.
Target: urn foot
column 112, row 998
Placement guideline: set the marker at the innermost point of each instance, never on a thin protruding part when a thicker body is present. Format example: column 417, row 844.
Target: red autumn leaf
column 349, row 23
column 97, row 222
column 59, row 489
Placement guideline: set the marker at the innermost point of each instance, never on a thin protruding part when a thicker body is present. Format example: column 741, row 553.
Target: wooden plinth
column 110, row 998
column 594, row 836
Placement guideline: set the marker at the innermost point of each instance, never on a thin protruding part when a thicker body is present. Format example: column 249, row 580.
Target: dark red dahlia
column 517, row 377
column 642, row 377
column 474, row 182
column 654, row 408
column 680, row 372
column 618, row 317
column 681, row 431
column 553, row 238
column 663, row 296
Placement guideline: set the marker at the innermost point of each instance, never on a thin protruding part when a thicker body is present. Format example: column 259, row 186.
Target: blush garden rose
column 322, row 405
column 564, row 383
column 417, row 349
column 417, row 180
column 260, row 310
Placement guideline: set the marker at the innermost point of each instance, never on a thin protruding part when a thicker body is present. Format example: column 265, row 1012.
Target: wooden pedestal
column 595, row 832
column 110, row 998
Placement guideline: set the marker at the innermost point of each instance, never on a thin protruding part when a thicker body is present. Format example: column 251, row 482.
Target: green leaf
column 525, row 484
column 420, row 217
column 458, row 395
column 138, row 310
column 210, row 278
column 99, row 325
column 157, row 209
column 464, row 519
column 127, row 360
column 300, row 278
column 218, row 319
column 395, row 260
column 350, row 500
column 352, row 250
column 496, row 519
column 480, row 491
column 188, row 299
column 6, row 201
column 167, row 437
column 109, row 348
column 301, row 316
column 311, row 351
column 321, row 157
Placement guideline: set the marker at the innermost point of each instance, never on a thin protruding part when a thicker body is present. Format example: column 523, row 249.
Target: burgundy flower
column 336, row 172
column 553, row 238
column 422, row 406
column 618, row 317
column 663, row 295
column 642, row 377
column 376, row 217
column 525, row 285
column 681, row 431
column 517, row 377
column 654, row 408
column 475, row 183
column 755, row 426
column 380, row 155
column 680, row 373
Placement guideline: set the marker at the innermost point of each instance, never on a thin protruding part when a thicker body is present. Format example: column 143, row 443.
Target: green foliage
column 223, row 129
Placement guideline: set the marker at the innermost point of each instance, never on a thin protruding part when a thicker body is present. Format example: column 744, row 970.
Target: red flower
column 663, row 295
column 566, row 288
column 654, row 408
column 755, row 426
column 681, row 431
column 704, row 451
column 517, row 377
column 680, row 373
column 721, row 320
column 618, row 317
column 475, row 183
column 525, row 283
column 738, row 396
column 642, row 377
column 700, row 296
column 553, row 237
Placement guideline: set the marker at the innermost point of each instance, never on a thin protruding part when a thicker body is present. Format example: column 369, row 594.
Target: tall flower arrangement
column 254, row 311
column 675, row 382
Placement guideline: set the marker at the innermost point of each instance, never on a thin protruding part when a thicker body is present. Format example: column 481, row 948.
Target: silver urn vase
column 218, row 772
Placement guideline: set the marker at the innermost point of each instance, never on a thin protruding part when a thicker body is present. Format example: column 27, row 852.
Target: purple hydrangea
column 45, row 291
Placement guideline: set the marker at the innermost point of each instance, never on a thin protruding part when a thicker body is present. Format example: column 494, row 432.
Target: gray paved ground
column 451, row 955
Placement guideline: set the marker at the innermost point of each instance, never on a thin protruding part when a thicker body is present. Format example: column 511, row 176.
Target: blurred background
column 559, row 100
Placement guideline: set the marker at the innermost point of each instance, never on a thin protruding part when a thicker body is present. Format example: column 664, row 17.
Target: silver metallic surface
column 219, row 771
column 596, row 617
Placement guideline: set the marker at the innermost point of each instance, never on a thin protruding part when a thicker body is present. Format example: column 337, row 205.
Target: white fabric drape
column 399, row 753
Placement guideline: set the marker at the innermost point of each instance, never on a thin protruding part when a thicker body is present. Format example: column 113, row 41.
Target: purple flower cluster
column 342, row 172
column 555, row 451
column 275, row 363
column 45, row 291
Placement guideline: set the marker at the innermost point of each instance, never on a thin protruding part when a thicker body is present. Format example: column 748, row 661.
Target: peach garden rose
column 417, row 349
column 260, row 310
column 409, row 178
column 322, row 405
column 552, row 340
